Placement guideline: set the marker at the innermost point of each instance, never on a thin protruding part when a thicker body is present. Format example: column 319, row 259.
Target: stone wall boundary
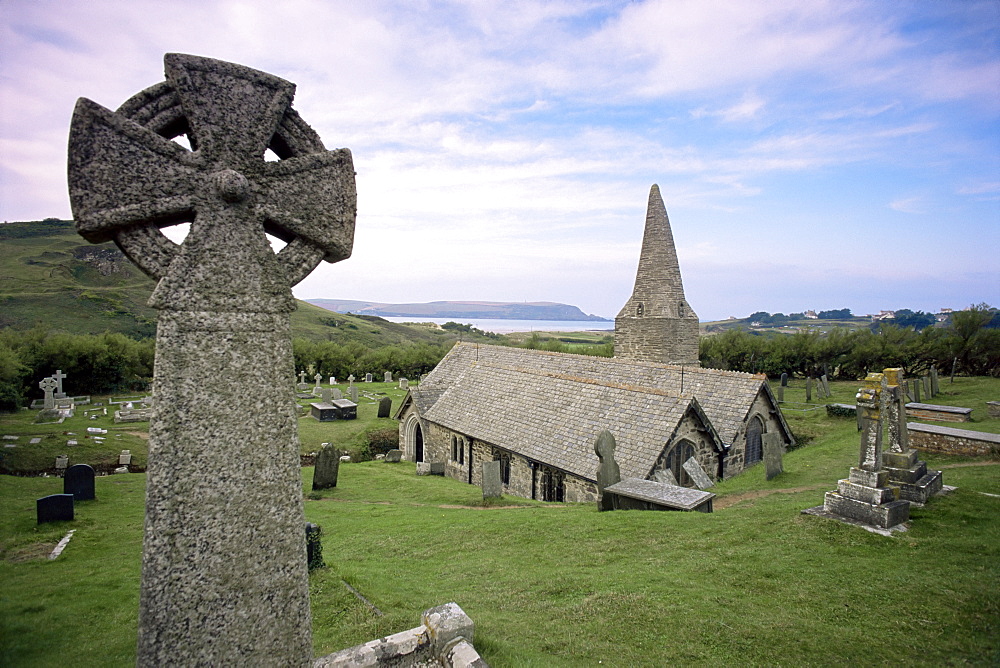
column 951, row 441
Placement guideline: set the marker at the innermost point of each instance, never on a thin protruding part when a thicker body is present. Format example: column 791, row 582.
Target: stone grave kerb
column 218, row 587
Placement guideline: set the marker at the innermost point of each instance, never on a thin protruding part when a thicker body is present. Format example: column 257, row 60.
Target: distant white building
column 811, row 315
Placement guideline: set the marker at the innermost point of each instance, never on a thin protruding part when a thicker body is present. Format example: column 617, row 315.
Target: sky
column 811, row 154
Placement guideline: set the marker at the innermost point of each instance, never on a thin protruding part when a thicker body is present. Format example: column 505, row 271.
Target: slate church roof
column 550, row 407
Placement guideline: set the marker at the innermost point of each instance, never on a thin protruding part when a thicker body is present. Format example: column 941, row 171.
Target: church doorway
column 418, row 444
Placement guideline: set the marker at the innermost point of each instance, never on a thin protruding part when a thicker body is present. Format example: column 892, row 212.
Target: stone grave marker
column 926, row 380
column 638, row 494
column 698, row 475
column 333, row 380
column 62, row 461
column 125, row 458
column 54, row 508
column 608, row 472
column 350, row 379
column 384, row 407
column 809, row 389
column 935, row 387
column 826, row 385
column 916, row 390
column 916, row 483
column 404, row 384
column 354, row 393
column 335, row 395
column 492, row 489
column 326, row 395
column 666, row 477
column 395, row 455
column 388, row 376
column 48, row 386
column 781, row 394
column 327, row 467
column 316, row 387
column 314, row 547
column 79, row 481
column 774, row 450
column 368, row 378
column 59, row 377
column 784, row 380
column 218, row 587
column 35, row 441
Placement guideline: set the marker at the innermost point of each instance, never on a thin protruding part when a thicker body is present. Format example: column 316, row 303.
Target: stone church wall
column 735, row 462
column 657, row 339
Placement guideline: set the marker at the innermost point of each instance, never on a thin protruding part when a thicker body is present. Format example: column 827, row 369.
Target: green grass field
column 754, row 583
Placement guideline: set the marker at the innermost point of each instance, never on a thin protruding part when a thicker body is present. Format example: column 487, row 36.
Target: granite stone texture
column 657, row 324
column 224, row 578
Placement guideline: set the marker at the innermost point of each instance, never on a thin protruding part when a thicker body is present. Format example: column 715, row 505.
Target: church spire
column 657, row 324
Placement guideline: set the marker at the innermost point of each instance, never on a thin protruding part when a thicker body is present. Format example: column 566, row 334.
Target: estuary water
column 502, row 326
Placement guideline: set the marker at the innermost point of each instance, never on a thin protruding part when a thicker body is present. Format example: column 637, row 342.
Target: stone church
column 539, row 413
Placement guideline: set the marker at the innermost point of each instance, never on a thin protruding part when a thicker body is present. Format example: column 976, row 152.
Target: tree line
column 114, row 363
column 970, row 345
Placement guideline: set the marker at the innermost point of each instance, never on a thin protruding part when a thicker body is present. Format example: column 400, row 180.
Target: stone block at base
column 923, row 489
column 883, row 515
column 430, row 468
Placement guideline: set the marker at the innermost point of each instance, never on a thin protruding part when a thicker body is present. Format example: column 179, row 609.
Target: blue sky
column 811, row 155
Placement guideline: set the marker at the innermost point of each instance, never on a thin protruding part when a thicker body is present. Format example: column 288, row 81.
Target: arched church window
column 461, row 451
column 553, row 485
column 454, row 448
column 754, row 440
column 504, row 459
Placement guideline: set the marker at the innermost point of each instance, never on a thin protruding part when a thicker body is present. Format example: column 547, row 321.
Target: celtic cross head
column 128, row 179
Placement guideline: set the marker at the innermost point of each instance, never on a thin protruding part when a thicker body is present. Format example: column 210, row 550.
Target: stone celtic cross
column 224, row 577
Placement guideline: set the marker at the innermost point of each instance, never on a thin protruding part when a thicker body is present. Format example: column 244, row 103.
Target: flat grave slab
column 662, row 496
column 938, row 413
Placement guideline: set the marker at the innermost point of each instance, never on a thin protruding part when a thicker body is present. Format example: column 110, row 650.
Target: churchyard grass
column 754, row 583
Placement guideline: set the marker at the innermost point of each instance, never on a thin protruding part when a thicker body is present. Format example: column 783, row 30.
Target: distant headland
column 460, row 309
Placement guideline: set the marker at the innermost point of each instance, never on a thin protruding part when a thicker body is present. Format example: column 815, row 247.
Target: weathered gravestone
column 639, row 494
column 335, row 395
column 784, row 380
column 54, row 508
column 916, row 390
column 865, row 497
column 384, row 407
column 608, row 472
column 316, row 388
column 79, row 481
column 666, row 477
column 394, row 456
column 491, row 479
column 218, row 587
column 388, row 376
column 368, row 378
column 62, row 461
column 354, row 393
column 916, row 483
column 404, row 384
column 59, row 377
column 314, row 547
column 48, row 386
column 774, row 450
column 781, row 394
column 809, row 389
column 327, row 467
column 698, row 475
column 125, row 458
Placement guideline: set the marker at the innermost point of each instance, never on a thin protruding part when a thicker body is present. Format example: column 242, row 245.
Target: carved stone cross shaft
column 224, row 577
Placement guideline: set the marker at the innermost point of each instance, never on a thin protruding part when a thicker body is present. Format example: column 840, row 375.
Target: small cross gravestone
column 350, row 379
column 218, row 587
column 384, row 407
column 316, row 388
column 79, row 481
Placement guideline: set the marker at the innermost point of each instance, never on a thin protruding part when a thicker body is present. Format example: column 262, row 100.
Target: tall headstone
column 809, row 389
column 327, row 467
column 368, row 378
column 927, row 386
column 354, row 393
column 608, row 472
column 404, row 383
column 781, row 394
column 224, row 574
column 774, row 451
column 935, row 387
column 657, row 324
column 316, row 388
column 79, row 481
column 916, row 390
column 335, row 395
column 697, row 473
column 384, row 407
column 826, row 385
column 350, row 379
column 492, row 488
column 388, row 376
column 314, row 546
column 784, row 380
